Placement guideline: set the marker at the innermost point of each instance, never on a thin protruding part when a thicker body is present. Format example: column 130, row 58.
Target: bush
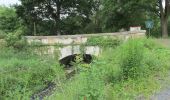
column 131, row 59
column 86, row 85
column 121, row 73
column 24, row 73
column 140, row 58
column 103, row 41
column 16, row 41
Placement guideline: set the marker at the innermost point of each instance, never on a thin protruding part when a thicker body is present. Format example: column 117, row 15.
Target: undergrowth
column 124, row 71
column 103, row 41
column 127, row 72
column 24, row 73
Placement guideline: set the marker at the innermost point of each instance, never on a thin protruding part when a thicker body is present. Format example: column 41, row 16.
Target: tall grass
column 24, row 73
column 124, row 73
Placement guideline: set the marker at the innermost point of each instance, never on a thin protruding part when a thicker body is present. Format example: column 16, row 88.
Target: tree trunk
column 57, row 20
column 164, row 26
column 164, row 12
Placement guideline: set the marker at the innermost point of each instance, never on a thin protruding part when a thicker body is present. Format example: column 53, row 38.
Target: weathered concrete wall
column 71, row 50
column 68, row 49
column 79, row 39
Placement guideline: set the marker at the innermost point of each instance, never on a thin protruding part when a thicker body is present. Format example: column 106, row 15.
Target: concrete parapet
column 82, row 38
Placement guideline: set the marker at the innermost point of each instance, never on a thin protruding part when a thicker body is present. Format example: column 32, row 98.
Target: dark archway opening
column 67, row 61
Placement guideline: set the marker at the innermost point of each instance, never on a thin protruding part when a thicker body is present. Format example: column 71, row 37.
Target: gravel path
column 164, row 94
column 164, row 42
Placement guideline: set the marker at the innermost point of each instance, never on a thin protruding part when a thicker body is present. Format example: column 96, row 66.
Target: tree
column 164, row 14
column 54, row 11
column 8, row 19
column 119, row 14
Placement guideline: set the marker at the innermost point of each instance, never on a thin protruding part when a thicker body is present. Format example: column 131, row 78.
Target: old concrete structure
column 69, row 50
column 79, row 39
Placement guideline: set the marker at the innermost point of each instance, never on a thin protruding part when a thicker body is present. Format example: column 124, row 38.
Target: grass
column 105, row 79
column 125, row 72
column 24, row 73
column 164, row 42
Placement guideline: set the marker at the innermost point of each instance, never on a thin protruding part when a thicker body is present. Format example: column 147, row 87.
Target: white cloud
column 9, row 2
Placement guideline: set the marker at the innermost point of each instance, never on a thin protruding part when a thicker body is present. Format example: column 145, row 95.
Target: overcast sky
column 9, row 2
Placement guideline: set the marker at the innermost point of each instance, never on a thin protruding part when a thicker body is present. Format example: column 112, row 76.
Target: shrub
column 15, row 40
column 86, row 85
column 131, row 59
column 137, row 60
column 24, row 73
column 103, row 41
column 140, row 58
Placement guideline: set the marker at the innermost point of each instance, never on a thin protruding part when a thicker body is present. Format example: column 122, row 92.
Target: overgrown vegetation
column 24, row 73
column 16, row 41
column 124, row 71
column 103, row 41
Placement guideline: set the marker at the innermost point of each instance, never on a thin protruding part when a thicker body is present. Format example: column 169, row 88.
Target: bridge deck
column 89, row 35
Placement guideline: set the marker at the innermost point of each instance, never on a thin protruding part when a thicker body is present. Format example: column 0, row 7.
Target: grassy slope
column 102, row 81
column 24, row 73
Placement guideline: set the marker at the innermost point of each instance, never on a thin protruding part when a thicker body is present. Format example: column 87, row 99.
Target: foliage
column 86, row 84
column 11, row 29
column 2, row 34
column 103, row 41
column 123, row 14
column 62, row 15
column 131, row 59
column 126, row 72
column 137, row 60
column 16, row 41
column 8, row 20
column 79, row 17
column 24, row 73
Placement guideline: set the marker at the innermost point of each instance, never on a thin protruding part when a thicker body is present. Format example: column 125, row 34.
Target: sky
column 163, row 3
column 9, row 2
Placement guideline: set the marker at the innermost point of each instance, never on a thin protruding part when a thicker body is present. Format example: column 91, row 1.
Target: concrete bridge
column 79, row 39
column 68, row 51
